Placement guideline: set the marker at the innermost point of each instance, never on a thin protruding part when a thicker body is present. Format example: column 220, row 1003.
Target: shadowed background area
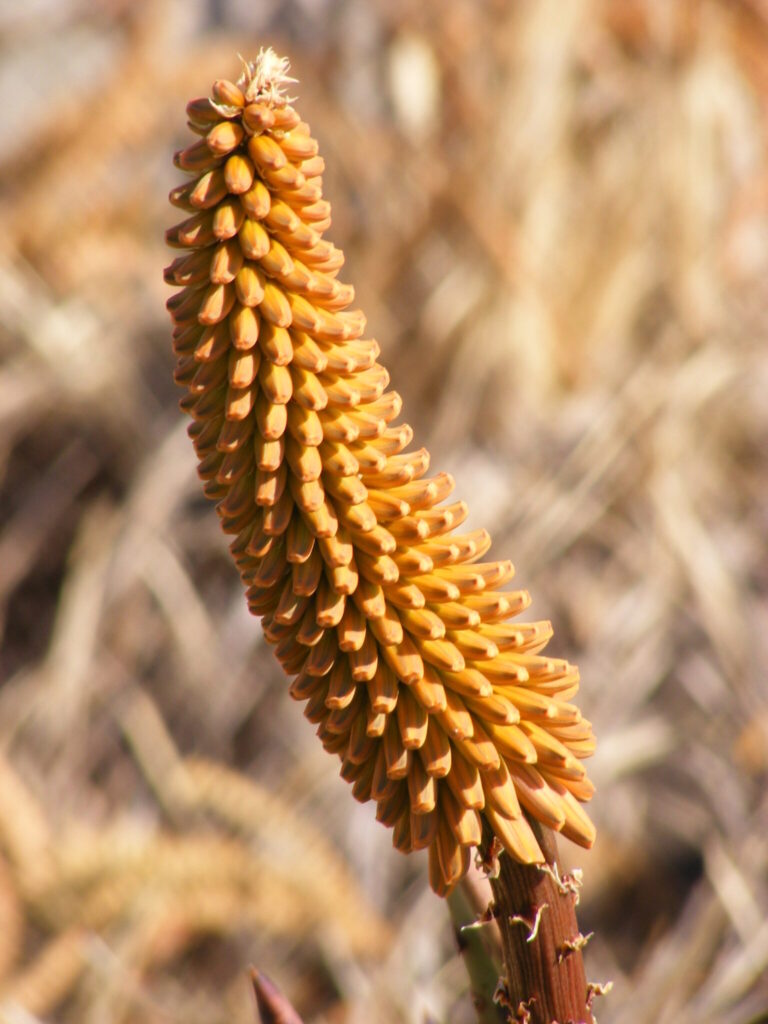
column 555, row 216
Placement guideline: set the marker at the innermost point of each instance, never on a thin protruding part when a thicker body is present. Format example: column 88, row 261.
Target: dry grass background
column 556, row 218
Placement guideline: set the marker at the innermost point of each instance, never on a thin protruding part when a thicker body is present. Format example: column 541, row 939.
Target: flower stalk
column 535, row 907
column 479, row 942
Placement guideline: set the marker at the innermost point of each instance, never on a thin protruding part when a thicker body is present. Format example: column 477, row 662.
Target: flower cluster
column 399, row 639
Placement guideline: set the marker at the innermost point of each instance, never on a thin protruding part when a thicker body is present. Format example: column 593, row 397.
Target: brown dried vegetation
column 568, row 269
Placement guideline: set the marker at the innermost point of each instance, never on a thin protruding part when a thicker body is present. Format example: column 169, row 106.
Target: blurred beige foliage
column 556, row 219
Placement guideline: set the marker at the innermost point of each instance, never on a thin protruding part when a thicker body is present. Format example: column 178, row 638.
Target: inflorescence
column 442, row 710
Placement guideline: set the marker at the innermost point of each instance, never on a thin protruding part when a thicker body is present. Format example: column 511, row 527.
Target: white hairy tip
column 266, row 77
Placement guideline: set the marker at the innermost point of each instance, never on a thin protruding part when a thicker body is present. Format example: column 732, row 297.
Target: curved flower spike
column 398, row 637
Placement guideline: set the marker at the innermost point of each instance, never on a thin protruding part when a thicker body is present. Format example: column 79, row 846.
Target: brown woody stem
column 535, row 908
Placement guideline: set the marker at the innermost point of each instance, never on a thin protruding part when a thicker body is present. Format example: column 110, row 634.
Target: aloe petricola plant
column 397, row 637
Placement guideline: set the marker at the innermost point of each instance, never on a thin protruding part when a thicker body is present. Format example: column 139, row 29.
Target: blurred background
column 556, row 219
